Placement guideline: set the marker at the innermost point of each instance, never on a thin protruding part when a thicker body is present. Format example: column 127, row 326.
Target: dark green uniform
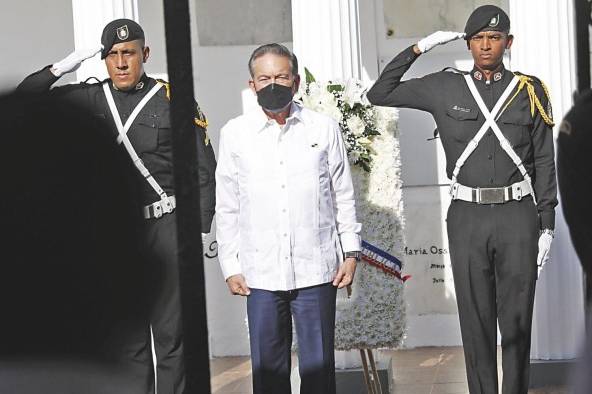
column 150, row 135
column 493, row 246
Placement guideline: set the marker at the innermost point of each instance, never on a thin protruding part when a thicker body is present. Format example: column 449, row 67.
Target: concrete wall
column 34, row 34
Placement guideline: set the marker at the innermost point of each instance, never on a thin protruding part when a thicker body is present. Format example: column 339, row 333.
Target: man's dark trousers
column 270, row 328
column 159, row 247
column 493, row 252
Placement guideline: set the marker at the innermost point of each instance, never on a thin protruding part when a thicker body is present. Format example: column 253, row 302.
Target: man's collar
column 261, row 120
column 140, row 86
column 497, row 76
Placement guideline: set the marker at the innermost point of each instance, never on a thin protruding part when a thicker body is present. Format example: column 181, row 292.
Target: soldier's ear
column 145, row 53
column 509, row 41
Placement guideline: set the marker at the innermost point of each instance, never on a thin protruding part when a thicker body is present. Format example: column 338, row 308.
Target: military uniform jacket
column 447, row 97
column 150, row 133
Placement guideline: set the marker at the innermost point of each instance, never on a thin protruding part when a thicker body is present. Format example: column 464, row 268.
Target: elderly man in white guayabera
column 286, row 225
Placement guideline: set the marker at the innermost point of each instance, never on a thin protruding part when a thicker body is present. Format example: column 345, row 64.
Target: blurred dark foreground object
column 73, row 291
column 574, row 174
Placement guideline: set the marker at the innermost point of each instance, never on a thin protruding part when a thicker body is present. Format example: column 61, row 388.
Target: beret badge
column 122, row 32
column 494, row 21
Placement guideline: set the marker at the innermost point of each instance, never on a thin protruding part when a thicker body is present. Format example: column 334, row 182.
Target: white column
column 90, row 17
column 544, row 46
column 326, row 38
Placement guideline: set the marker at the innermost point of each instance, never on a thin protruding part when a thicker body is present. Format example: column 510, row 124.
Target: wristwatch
column 548, row 231
column 355, row 254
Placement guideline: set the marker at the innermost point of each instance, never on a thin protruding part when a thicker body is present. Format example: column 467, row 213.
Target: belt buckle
column 157, row 210
column 166, row 205
column 494, row 195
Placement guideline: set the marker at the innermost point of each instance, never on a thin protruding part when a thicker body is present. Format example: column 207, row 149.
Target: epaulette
column 455, row 70
column 199, row 119
column 535, row 102
column 167, row 86
column 536, row 79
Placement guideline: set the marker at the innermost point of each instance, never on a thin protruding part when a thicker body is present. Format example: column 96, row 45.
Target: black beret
column 120, row 30
column 487, row 17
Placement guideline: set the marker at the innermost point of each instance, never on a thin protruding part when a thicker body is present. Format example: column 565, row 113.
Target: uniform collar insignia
column 497, row 76
column 478, row 75
column 140, row 85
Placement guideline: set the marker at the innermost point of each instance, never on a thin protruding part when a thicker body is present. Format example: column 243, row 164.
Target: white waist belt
column 490, row 195
column 159, row 208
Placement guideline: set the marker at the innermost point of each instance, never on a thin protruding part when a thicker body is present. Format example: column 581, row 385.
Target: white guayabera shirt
column 285, row 209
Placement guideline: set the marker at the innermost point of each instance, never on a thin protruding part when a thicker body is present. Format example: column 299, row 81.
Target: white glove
column 438, row 38
column 204, row 238
column 73, row 61
column 544, row 246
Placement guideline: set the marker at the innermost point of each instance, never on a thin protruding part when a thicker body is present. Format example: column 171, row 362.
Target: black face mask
column 275, row 97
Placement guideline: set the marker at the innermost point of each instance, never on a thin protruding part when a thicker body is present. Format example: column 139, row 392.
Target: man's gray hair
column 276, row 49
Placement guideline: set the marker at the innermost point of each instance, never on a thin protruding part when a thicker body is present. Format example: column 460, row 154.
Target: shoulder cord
column 534, row 100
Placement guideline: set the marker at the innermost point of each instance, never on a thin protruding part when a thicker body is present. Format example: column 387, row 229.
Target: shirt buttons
column 284, row 210
column 281, row 162
column 283, row 186
column 490, row 157
column 285, row 235
column 490, row 180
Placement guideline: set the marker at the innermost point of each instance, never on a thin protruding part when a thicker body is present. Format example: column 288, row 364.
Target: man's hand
column 345, row 275
column 545, row 240
column 71, row 62
column 437, row 38
column 237, row 285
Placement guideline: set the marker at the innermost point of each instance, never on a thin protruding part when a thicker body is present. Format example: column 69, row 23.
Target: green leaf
column 364, row 165
column 335, row 88
column 309, row 77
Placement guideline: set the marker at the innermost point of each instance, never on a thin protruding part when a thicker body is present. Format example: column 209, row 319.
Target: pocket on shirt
column 257, row 250
column 144, row 134
column 327, row 245
column 516, row 127
column 467, row 118
column 165, row 132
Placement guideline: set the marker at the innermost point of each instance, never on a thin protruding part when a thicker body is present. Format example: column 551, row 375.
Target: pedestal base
column 550, row 372
column 351, row 381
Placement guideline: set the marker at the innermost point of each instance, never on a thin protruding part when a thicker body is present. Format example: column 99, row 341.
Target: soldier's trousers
column 159, row 246
column 493, row 252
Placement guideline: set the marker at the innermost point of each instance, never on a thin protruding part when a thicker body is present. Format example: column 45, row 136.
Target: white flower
column 353, row 92
column 354, row 156
column 337, row 99
column 356, row 125
column 385, row 118
column 364, row 141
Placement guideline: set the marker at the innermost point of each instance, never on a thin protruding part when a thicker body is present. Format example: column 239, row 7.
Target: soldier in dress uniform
column 495, row 127
column 137, row 107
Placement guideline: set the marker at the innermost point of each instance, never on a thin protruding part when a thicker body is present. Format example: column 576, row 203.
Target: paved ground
column 417, row 371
